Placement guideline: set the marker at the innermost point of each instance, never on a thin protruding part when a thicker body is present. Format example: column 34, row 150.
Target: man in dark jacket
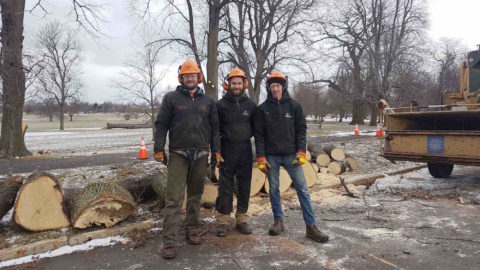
column 235, row 113
column 191, row 120
column 280, row 140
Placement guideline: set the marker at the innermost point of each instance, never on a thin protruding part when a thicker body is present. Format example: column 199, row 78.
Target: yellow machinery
column 441, row 135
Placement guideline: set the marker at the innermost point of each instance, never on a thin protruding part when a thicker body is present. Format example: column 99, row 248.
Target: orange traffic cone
column 379, row 131
column 356, row 132
column 142, row 154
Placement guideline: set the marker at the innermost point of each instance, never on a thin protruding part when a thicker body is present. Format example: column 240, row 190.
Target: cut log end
column 258, row 181
column 39, row 205
column 336, row 167
column 323, row 160
column 311, row 176
column 285, row 182
column 101, row 204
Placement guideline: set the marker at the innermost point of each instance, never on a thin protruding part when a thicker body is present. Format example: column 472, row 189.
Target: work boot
column 222, row 230
column 315, row 234
column 193, row 238
column 277, row 228
column 168, row 251
column 243, row 228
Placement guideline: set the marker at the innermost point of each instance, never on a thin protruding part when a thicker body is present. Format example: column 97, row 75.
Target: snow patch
column 101, row 242
column 209, row 219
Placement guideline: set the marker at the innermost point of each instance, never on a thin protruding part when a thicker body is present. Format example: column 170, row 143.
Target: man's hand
column 161, row 157
column 217, row 160
column 300, row 159
column 263, row 165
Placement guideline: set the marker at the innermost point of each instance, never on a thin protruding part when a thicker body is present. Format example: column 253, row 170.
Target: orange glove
column 160, row 157
column 218, row 160
column 300, row 159
column 263, row 164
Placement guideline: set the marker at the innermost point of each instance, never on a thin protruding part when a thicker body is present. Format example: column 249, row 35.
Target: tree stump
column 8, row 193
column 40, row 204
column 101, row 204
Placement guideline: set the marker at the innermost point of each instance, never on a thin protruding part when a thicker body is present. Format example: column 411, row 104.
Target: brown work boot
column 277, row 228
column 243, row 228
column 168, row 251
column 193, row 238
column 315, row 234
column 222, row 230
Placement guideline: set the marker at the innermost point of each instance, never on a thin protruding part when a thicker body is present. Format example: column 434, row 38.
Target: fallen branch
column 383, row 261
column 349, row 193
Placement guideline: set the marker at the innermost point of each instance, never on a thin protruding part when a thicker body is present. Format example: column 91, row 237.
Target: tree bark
column 8, row 193
column 373, row 114
column 101, row 203
column 13, row 78
column 211, row 84
column 357, row 113
column 62, row 116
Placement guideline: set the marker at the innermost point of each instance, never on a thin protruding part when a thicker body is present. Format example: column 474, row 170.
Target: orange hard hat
column 189, row 67
column 277, row 75
column 235, row 72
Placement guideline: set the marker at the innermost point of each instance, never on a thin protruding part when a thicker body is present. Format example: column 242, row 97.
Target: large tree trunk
column 373, row 114
column 101, row 204
column 8, row 193
column 62, row 116
column 40, row 204
column 13, row 77
column 357, row 113
column 211, row 84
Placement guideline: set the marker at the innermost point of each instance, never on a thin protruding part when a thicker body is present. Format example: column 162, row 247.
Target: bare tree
column 140, row 77
column 13, row 77
column 183, row 13
column 60, row 75
column 448, row 54
column 257, row 29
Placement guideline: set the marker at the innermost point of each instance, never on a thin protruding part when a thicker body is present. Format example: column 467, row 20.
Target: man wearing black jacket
column 280, row 140
column 235, row 113
column 191, row 120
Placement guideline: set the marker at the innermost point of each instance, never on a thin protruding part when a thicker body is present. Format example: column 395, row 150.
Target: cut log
column 324, row 170
column 285, row 182
column 337, row 167
column 309, row 156
column 40, row 204
column 128, row 126
column 326, row 179
column 101, row 204
column 316, row 167
column 8, row 193
column 209, row 196
column 24, row 129
column 311, row 176
column 258, row 181
column 322, row 159
column 335, row 153
column 351, row 161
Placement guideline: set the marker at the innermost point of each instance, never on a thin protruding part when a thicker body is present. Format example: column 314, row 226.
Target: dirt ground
column 409, row 221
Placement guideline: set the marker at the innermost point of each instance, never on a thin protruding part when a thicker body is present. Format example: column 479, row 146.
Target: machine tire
column 440, row 170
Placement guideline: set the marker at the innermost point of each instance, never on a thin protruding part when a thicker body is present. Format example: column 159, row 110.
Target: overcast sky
column 103, row 58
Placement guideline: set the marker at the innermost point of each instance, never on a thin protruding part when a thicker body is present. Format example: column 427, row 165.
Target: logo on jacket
column 245, row 113
column 287, row 115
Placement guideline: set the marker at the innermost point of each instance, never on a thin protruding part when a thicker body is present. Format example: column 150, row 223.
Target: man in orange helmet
column 190, row 118
column 235, row 113
column 280, row 140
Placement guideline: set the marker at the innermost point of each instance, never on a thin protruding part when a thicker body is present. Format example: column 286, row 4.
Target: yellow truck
column 440, row 135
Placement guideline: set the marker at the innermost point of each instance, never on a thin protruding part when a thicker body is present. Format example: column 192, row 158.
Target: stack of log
column 40, row 204
column 332, row 160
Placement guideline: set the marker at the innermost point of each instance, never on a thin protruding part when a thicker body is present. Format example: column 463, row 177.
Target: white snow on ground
column 102, row 242
column 350, row 133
